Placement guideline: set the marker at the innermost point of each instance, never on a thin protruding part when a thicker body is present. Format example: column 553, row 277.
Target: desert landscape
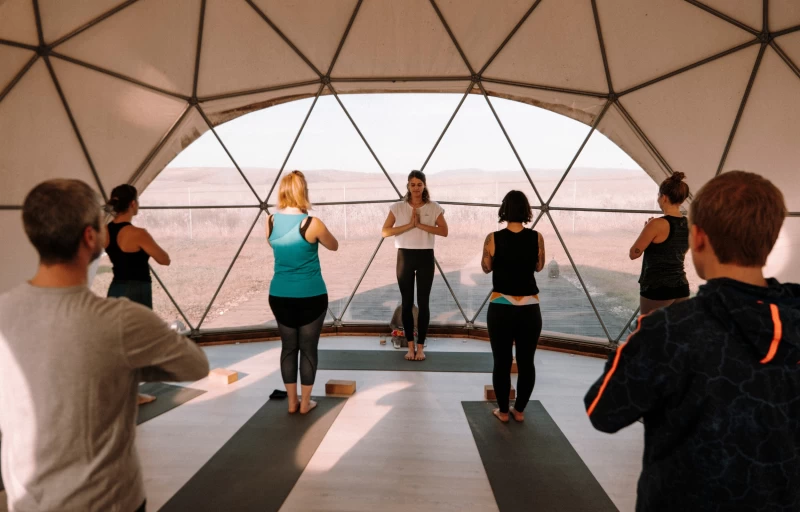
column 204, row 241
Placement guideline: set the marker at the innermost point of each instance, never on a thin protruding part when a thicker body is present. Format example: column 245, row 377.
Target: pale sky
column 402, row 129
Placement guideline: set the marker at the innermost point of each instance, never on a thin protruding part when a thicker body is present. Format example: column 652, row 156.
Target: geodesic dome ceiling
column 110, row 92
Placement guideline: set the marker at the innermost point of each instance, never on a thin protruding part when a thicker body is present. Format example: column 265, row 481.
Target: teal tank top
column 297, row 270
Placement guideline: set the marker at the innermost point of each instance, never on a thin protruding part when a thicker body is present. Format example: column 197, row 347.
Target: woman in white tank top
column 415, row 222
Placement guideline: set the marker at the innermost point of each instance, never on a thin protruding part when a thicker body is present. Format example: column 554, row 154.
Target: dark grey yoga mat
column 532, row 465
column 258, row 467
column 168, row 397
column 393, row 360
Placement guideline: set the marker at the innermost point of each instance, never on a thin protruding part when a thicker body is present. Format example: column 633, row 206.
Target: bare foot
column 410, row 355
column 306, row 408
column 145, row 399
column 502, row 416
column 518, row 416
column 294, row 404
column 420, row 353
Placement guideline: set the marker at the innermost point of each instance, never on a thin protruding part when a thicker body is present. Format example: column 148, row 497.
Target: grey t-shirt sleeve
column 160, row 353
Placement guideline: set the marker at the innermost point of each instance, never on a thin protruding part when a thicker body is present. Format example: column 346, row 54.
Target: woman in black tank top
column 664, row 243
column 129, row 248
column 513, row 255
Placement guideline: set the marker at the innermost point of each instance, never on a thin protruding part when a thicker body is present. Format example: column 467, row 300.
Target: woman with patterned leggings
column 298, row 296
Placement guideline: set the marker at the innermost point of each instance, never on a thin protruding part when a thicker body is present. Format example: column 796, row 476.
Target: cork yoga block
column 223, row 376
column 340, row 387
column 489, row 394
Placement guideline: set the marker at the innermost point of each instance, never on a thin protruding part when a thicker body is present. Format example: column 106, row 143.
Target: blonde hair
column 293, row 192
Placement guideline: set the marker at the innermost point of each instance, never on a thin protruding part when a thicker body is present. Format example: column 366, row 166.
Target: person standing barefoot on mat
column 664, row 243
column 130, row 248
column 513, row 255
column 298, row 296
column 414, row 222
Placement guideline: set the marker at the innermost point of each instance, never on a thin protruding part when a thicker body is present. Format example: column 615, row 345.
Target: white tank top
column 415, row 238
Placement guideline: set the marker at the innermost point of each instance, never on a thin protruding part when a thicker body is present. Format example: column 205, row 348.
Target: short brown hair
column 293, row 192
column 515, row 208
column 55, row 214
column 742, row 214
column 674, row 188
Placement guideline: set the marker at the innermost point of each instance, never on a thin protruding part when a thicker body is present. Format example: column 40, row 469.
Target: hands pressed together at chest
column 439, row 226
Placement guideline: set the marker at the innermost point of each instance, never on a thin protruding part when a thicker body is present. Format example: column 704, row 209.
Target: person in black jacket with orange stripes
column 716, row 378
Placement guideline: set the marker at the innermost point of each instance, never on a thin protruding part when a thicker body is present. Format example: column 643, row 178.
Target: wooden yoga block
column 489, row 394
column 223, row 376
column 340, row 387
column 514, row 366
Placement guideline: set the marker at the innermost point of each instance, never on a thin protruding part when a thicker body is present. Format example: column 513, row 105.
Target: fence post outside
column 191, row 230
column 344, row 198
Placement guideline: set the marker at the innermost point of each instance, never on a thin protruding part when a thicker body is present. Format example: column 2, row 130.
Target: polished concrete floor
column 414, row 419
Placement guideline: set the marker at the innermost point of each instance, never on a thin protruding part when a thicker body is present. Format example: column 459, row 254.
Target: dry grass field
column 203, row 242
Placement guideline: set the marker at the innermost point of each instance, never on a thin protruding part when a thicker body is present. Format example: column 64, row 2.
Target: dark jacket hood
column 767, row 318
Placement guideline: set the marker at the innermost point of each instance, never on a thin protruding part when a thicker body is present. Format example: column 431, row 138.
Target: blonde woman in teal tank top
column 298, row 296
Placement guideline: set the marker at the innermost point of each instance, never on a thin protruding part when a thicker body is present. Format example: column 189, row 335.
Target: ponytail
column 121, row 199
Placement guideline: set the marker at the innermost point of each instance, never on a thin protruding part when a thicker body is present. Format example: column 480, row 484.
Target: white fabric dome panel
column 643, row 45
column 38, row 141
column 689, row 117
column 384, row 27
column 150, row 40
column 17, row 22
column 768, row 138
column 550, row 49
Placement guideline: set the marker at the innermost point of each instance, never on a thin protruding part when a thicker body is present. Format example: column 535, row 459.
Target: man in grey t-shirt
column 70, row 364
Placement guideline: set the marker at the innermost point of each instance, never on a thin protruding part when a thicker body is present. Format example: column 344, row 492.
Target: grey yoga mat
column 532, row 465
column 168, row 397
column 258, row 467
column 393, row 360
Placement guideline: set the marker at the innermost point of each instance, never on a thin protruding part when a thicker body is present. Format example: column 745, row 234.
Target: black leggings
column 300, row 324
column 417, row 263
column 507, row 325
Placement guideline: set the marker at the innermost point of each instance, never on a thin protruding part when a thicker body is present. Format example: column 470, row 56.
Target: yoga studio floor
column 405, row 441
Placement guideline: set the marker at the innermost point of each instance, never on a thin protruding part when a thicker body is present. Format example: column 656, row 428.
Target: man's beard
column 96, row 254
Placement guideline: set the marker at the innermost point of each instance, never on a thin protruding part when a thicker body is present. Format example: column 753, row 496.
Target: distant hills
column 229, row 175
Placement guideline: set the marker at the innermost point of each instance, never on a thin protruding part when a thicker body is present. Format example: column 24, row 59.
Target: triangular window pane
column 474, row 162
column 201, row 244
column 243, row 300
column 201, row 175
column 336, row 162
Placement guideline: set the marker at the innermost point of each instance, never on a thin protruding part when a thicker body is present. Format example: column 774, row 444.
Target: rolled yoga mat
column 393, row 361
column 532, row 465
column 168, row 397
column 258, row 467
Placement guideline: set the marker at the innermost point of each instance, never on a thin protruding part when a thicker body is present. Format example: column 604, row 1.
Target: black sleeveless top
column 128, row 266
column 514, row 262
column 663, row 264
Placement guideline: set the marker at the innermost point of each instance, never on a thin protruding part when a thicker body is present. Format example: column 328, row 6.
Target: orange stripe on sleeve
column 613, row 368
column 778, row 334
